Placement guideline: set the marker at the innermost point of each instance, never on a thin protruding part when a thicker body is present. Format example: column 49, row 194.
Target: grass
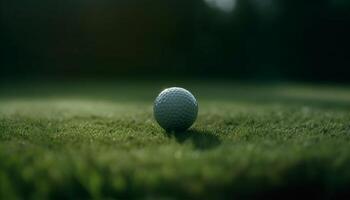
column 99, row 140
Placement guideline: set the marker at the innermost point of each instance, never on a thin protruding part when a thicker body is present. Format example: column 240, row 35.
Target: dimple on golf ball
column 175, row 109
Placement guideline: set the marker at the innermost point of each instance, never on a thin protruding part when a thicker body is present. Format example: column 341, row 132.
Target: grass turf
column 99, row 140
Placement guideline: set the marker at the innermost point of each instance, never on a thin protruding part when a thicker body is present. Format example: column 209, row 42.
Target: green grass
column 99, row 140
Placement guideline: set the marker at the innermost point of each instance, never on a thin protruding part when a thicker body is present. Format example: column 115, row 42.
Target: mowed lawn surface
column 99, row 140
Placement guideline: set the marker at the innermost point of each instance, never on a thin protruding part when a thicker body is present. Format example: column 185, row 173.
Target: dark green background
column 271, row 40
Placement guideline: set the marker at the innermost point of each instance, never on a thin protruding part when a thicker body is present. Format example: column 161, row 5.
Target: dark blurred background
column 234, row 39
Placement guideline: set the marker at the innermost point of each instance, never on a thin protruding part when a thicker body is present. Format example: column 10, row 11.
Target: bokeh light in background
column 234, row 39
column 224, row 5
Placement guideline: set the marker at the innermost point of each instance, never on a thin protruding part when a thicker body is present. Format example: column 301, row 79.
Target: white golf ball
column 175, row 109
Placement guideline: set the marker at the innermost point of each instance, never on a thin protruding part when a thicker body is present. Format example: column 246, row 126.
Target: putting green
column 99, row 140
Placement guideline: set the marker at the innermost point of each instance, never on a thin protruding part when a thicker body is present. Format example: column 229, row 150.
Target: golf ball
column 175, row 109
